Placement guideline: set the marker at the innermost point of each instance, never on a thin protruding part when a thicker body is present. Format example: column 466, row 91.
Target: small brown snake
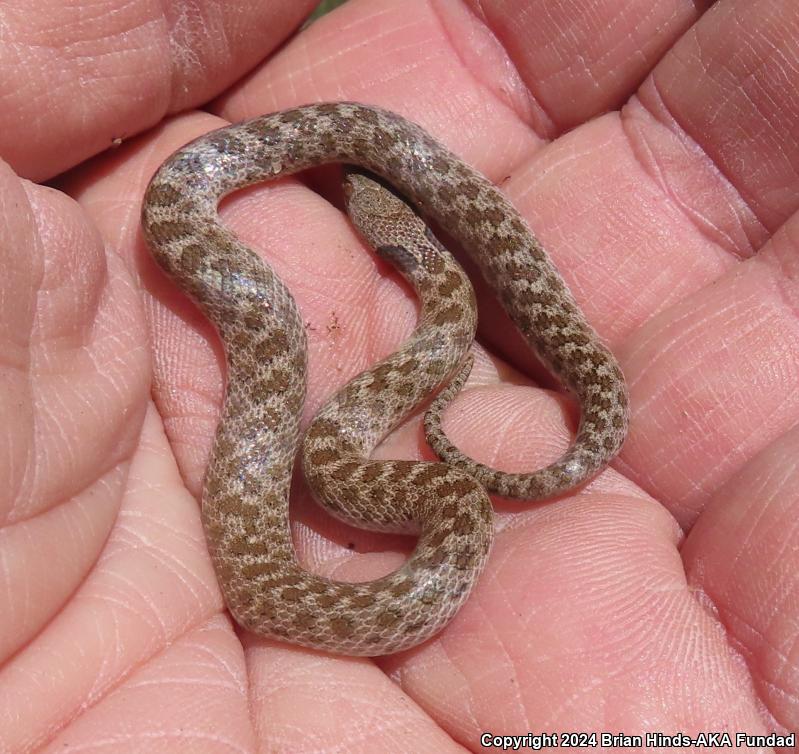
column 245, row 497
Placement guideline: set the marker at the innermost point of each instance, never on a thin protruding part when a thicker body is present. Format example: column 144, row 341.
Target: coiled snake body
column 245, row 496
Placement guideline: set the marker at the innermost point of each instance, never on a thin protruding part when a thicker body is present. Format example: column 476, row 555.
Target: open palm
column 655, row 153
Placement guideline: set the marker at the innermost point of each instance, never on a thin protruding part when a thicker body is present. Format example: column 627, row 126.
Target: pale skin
column 659, row 597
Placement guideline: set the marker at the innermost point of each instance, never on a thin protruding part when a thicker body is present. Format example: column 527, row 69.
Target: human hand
column 658, row 598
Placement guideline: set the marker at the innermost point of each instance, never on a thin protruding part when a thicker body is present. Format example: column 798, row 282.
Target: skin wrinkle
column 728, row 182
column 725, row 620
column 456, row 50
column 731, row 620
column 660, row 180
column 515, row 75
column 751, row 76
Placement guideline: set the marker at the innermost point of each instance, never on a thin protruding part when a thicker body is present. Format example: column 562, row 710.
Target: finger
column 579, row 61
column 122, row 654
column 358, row 698
column 741, row 557
column 76, row 374
column 119, row 71
column 727, row 95
column 190, row 696
column 714, row 380
column 713, row 376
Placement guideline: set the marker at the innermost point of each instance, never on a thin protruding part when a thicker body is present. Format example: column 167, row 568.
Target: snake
column 245, row 508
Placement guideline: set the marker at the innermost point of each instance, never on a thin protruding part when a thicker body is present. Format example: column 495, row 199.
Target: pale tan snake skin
column 245, row 497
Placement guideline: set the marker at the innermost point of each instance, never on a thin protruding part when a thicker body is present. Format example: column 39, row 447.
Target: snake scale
column 245, row 495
